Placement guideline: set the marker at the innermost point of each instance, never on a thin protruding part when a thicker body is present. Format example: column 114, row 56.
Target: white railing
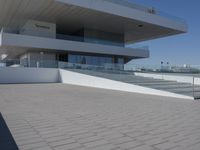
column 2, row 30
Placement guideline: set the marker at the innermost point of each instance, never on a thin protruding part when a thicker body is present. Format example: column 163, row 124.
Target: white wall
column 39, row 28
column 28, row 75
column 74, row 78
column 1, row 34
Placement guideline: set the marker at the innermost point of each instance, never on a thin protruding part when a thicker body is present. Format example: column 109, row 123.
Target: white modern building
column 56, row 33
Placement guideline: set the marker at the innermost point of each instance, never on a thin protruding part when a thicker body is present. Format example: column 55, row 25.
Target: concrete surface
column 65, row 117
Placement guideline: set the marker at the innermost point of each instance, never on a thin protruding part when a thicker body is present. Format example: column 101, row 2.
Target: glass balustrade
column 57, row 64
column 129, row 66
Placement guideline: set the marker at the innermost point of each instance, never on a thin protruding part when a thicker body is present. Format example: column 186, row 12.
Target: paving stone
column 144, row 147
column 43, row 148
column 95, row 143
column 32, row 146
column 29, row 141
column 166, row 146
column 89, row 139
column 68, row 146
column 105, row 147
column 57, row 138
column 155, row 141
column 129, row 145
column 121, row 140
column 61, row 142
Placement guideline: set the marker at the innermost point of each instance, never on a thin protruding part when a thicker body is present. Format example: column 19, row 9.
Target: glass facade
column 48, row 60
column 94, row 60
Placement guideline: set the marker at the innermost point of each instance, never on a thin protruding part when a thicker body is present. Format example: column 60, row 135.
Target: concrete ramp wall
column 69, row 77
column 28, row 75
column 177, row 78
column 43, row 75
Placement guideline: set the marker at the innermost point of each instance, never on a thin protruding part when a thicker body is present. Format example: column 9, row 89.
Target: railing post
column 193, row 88
column 2, row 30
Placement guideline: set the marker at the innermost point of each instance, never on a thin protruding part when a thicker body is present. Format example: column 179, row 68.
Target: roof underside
column 70, row 18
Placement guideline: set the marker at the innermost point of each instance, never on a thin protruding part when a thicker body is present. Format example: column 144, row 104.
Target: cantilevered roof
column 105, row 15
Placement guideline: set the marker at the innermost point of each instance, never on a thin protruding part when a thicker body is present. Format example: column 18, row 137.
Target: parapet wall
column 177, row 78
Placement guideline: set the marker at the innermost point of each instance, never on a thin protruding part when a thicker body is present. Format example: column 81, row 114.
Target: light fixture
column 3, row 56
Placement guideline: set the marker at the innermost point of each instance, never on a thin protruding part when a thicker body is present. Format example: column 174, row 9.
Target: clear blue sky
column 179, row 49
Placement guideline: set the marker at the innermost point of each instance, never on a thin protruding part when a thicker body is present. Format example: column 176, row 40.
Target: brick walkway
column 63, row 117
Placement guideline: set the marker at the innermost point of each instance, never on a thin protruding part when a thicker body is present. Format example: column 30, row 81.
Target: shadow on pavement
column 7, row 142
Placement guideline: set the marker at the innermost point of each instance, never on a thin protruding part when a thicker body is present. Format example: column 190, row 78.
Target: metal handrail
column 2, row 30
column 193, row 88
column 195, row 91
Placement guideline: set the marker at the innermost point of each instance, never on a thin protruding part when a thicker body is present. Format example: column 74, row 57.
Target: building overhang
column 15, row 44
column 72, row 15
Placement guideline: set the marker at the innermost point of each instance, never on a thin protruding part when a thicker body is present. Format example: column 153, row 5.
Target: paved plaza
column 66, row 117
